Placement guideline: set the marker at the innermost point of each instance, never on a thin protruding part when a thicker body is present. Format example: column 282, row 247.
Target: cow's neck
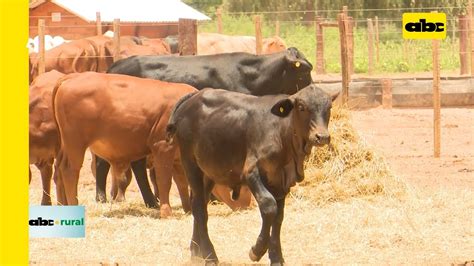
column 269, row 72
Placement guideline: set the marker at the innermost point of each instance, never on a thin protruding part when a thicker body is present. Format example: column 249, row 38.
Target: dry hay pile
column 348, row 167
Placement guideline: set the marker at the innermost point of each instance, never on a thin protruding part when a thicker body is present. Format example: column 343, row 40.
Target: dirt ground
column 433, row 224
column 405, row 138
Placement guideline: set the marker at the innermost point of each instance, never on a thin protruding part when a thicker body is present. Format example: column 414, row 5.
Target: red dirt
column 405, row 138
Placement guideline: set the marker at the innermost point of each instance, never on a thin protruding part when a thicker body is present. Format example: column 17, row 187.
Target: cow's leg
column 139, row 169
column 58, row 180
column 70, row 167
column 164, row 171
column 182, row 184
column 274, row 251
column 101, row 167
column 268, row 210
column 200, row 244
column 46, row 169
column 120, row 181
column 152, row 175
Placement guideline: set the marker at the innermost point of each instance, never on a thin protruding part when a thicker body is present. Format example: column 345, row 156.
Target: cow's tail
column 173, row 121
column 78, row 56
column 53, row 107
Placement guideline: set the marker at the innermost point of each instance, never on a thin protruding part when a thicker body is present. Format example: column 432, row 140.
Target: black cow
column 231, row 139
column 279, row 73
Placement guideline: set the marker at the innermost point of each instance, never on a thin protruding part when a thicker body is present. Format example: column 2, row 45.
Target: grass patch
column 396, row 55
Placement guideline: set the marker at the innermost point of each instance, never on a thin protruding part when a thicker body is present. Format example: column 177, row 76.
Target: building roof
column 129, row 10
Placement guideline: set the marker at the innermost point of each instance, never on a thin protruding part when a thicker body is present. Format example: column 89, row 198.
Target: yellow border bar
column 13, row 132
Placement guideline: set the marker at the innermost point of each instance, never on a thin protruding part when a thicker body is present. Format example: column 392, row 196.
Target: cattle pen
column 395, row 186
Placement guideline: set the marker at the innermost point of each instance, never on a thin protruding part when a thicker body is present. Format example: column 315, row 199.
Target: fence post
column 463, row 44
column 41, row 47
column 370, row 37
column 98, row 23
column 377, row 40
column 344, row 10
column 386, row 93
column 350, row 43
column 436, row 99
column 187, row 38
column 277, row 28
column 342, row 22
column 319, row 46
column 471, row 35
column 219, row 20
column 116, row 26
column 258, row 34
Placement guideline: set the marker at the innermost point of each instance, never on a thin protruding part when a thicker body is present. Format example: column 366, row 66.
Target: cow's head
column 310, row 109
column 298, row 67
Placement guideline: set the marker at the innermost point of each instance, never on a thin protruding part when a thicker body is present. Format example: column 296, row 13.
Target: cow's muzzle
column 320, row 139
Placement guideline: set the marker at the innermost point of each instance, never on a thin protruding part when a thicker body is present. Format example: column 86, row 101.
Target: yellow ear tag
column 297, row 64
column 281, row 109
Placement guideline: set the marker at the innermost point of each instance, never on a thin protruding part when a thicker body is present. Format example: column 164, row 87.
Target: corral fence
column 376, row 66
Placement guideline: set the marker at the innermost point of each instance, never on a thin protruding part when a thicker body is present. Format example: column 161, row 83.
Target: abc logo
column 40, row 222
column 423, row 26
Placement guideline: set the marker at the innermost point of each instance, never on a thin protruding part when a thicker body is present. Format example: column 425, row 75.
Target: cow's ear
column 282, row 108
column 334, row 96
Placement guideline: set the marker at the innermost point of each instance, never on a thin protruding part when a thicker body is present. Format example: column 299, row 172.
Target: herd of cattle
column 226, row 122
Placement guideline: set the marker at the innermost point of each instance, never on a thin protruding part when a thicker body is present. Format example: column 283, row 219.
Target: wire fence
column 381, row 52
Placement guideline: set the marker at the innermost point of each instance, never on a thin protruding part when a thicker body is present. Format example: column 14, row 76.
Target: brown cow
column 214, row 43
column 72, row 57
column 43, row 133
column 121, row 119
column 128, row 50
column 105, row 54
column 159, row 44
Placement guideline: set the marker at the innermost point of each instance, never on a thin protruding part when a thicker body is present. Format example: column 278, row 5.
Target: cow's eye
column 301, row 107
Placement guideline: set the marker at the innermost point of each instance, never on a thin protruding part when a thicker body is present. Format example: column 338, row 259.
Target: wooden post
column 41, row 47
column 386, row 93
column 463, row 44
column 187, row 38
column 258, row 34
column 344, row 10
column 436, row 99
column 219, row 20
column 370, row 37
column 377, row 39
column 471, row 34
column 116, row 26
column 342, row 22
column 277, row 28
column 350, row 43
column 98, row 23
column 319, row 46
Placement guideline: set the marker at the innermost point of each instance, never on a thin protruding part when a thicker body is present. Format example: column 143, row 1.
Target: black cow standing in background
column 232, row 139
column 285, row 72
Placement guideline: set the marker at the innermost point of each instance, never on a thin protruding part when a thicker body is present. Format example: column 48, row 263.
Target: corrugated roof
column 132, row 10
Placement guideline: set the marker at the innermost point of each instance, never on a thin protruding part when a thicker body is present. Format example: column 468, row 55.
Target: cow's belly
column 120, row 150
column 223, row 166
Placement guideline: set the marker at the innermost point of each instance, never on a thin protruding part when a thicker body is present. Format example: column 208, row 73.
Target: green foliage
column 415, row 57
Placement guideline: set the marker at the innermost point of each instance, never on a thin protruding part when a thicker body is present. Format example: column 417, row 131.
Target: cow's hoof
column 165, row 211
column 252, row 255
column 211, row 262
column 46, row 202
column 101, row 198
